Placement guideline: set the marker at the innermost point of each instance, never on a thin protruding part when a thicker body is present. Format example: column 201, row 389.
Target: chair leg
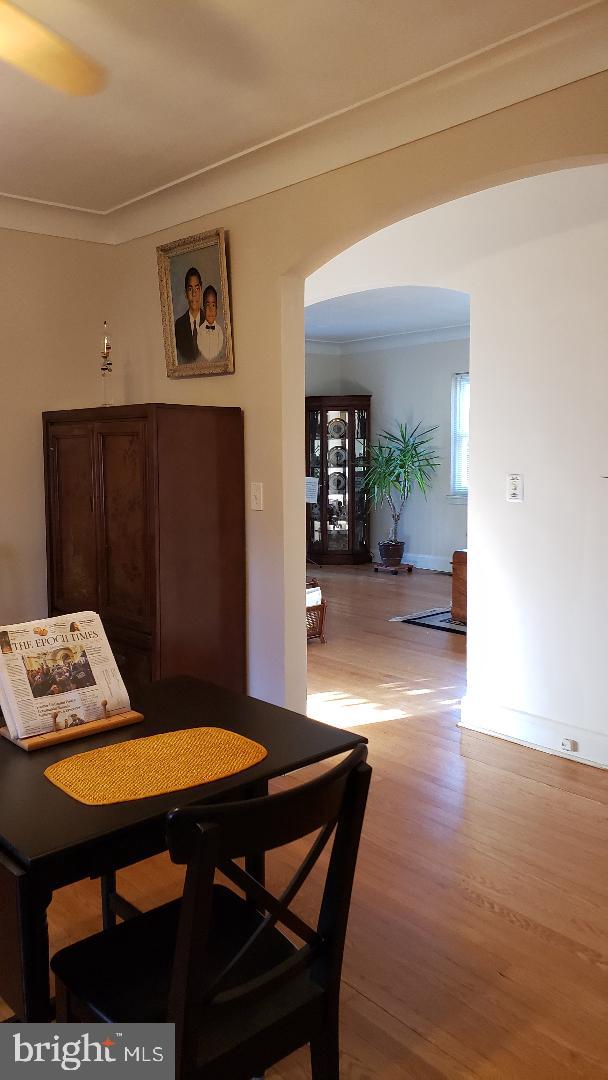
column 325, row 1053
column 62, row 1003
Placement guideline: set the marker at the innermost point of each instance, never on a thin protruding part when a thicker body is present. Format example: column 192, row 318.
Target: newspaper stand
column 92, row 727
column 61, row 680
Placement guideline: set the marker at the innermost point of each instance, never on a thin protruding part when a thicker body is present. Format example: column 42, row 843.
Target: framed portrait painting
column 195, row 306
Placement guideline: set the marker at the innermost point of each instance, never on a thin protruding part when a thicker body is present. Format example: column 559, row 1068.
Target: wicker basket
column 315, row 616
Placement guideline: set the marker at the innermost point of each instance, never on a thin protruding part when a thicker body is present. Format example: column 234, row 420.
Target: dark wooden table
column 48, row 840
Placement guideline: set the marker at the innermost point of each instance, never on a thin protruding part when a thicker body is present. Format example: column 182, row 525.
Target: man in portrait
column 188, row 325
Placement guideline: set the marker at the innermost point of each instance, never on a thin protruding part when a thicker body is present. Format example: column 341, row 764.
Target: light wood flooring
column 478, row 938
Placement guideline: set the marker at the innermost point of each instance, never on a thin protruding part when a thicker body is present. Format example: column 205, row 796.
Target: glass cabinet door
column 314, row 469
column 337, row 453
column 360, row 463
column 337, row 505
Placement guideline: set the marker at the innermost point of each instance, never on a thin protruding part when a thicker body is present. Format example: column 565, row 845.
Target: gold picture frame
column 198, row 341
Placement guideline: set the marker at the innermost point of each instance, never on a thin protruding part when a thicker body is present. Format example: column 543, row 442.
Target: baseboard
column 536, row 732
column 429, row 562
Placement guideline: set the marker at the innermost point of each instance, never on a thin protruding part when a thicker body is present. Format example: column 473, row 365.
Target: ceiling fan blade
column 31, row 47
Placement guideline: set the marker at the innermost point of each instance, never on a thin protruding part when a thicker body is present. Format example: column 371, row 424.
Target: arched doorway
column 528, row 238
column 285, row 237
column 400, row 356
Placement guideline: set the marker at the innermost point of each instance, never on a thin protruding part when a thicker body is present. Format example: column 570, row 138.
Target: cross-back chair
column 242, row 994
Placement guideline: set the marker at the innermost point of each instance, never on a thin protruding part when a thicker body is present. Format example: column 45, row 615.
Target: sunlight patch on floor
column 400, row 687
column 342, row 710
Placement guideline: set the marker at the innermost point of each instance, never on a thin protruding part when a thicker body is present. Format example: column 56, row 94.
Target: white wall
column 409, row 382
column 534, row 257
column 323, row 369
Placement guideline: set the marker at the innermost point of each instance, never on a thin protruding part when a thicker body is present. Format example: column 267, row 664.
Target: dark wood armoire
column 145, row 524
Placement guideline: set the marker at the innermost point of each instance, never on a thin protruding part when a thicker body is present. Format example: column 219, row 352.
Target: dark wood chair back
column 210, row 838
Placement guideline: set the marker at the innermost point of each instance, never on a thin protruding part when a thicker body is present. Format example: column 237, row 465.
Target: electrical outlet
column 570, row 744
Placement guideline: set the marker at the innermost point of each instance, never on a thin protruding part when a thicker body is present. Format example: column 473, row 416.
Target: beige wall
column 274, row 242
column 53, row 301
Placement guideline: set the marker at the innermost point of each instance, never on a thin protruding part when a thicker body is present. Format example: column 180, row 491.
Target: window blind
column 460, row 434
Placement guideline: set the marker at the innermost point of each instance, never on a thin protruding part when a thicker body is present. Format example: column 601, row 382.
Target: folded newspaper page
column 58, row 673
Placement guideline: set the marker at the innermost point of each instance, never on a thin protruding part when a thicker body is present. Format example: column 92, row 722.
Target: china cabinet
column 337, row 450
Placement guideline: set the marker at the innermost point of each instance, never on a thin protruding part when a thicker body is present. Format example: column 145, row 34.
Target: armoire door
column 71, row 512
column 125, row 534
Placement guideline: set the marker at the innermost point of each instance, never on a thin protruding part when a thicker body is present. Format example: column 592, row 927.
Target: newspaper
column 58, row 673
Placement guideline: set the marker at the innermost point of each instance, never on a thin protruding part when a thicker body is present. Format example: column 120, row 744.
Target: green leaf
column 400, row 461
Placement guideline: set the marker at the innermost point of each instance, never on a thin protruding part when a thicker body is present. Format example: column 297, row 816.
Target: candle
column 106, row 342
column 106, row 365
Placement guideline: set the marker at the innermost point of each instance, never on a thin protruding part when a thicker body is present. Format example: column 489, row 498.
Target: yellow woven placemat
column 155, row 765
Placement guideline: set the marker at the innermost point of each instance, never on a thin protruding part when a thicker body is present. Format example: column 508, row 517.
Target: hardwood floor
column 478, row 938
column 373, row 670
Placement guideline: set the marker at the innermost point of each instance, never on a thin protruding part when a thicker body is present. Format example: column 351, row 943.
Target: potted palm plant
column 398, row 463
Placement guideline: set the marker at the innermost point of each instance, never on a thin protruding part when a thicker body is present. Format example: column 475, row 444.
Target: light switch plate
column 257, row 495
column 515, row 487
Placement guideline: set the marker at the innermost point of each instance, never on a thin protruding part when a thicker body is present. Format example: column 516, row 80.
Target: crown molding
column 29, row 215
column 318, row 347
column 384, row 342
column 563, row 51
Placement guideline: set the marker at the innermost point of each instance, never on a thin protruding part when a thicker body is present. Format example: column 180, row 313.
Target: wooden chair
column 241, row 993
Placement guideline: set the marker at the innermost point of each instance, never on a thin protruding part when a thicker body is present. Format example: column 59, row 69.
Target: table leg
column 108, row 889
column 112, row 904
column 24, row 943
column 256, row 864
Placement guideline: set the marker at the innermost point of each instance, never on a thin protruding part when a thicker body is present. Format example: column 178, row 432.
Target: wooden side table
column 459, row 586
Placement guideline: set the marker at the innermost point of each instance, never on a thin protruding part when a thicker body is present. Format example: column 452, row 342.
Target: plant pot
column 391, row 552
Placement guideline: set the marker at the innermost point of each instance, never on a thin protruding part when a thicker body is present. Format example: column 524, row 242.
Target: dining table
column 49, row 840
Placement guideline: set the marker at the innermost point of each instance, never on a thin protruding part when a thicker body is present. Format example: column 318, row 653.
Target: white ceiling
column 379, row 313
column 195, row 82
